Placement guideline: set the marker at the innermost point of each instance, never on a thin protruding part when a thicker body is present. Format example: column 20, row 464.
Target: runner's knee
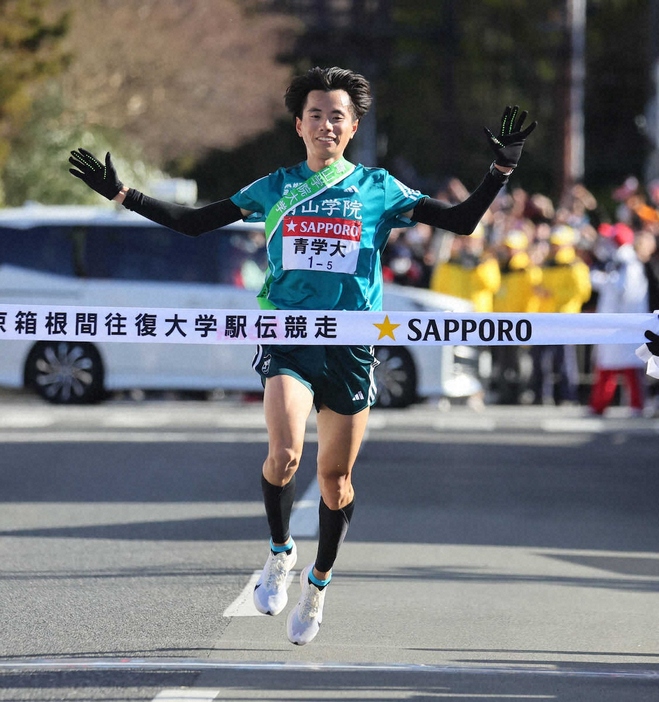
column 281, row 464
column 336, row 490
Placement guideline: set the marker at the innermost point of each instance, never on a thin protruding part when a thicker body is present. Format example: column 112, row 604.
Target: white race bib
column 321, row 244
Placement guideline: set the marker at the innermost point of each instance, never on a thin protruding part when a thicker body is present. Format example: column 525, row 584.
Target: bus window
column 242, row 258
column 147, row 253
column 49, row 249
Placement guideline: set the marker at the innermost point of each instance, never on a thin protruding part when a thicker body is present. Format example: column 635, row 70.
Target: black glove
column 653, row 342
column 101, row 178
column 508, row 145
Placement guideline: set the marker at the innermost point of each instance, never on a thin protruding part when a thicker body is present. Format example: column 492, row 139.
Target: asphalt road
column 509, row 555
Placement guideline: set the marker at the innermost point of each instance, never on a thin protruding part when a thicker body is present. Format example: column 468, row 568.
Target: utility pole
column 372, row 34
column 652, row 109
column 573, row 136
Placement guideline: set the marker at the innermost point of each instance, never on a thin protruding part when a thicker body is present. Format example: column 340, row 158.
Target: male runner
column 327, row 222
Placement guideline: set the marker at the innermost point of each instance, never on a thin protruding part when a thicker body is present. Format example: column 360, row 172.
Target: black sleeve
column 463, row 217
column 191, row 221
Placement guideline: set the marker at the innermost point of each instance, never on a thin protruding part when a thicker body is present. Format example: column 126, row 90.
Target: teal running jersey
column 325, row 253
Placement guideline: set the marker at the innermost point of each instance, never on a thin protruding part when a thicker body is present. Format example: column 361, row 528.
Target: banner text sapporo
column 470, row 330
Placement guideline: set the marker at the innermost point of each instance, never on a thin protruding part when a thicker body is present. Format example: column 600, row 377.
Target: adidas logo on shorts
column 358, row 396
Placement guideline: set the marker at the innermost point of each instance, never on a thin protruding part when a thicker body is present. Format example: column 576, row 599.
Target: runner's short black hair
column 326, row 79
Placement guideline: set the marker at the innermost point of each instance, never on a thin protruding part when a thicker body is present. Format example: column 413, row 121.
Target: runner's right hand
column 101, row 178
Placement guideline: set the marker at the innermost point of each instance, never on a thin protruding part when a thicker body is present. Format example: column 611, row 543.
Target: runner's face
column 327, row 125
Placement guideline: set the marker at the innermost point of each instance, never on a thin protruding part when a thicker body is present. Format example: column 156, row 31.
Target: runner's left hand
column 508, row 145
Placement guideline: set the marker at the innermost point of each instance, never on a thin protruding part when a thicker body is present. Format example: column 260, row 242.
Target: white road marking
column 243, row 605
column 140, row 437
column 202, row 695
column 200, row 664
column 304, row 519
column 26, row 419
column 476, row 423
column 190, row 695
column 597, row 425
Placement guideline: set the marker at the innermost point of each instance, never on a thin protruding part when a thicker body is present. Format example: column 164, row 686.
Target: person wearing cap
column 520, row 277
column 565, row 288
column 518, row 293
column 471, row 272
column 622, row 288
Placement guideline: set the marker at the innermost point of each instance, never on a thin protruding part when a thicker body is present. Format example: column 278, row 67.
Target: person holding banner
column 622, row 288
column 327, row 221
column 565, row 288
column 649, row 352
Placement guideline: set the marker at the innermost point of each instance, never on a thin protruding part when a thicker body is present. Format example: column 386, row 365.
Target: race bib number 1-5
column 321, row 244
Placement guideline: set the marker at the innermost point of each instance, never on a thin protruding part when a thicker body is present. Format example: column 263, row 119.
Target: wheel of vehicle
column 395, row 377
column 64, row 373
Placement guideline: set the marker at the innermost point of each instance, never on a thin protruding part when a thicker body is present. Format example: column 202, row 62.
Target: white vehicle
column 92, row 256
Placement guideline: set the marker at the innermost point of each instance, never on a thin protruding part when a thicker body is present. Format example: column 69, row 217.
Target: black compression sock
column 278, row 501
column 333, row 527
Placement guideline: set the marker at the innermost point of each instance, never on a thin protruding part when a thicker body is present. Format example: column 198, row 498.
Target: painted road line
column 84, row 665
column 304, row 519
column 597, row 425
column 191, row 695
column 138, row 437
column 457, row 423
column 26, row 419
column 243, row 605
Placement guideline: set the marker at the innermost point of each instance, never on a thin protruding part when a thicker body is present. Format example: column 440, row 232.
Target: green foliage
column 37, row 167
column 29, row 54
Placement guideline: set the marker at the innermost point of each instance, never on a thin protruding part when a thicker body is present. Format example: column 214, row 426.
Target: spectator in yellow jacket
column 520, row 278
column 471, row 273
column 565, row 277
column 518, row 293
column 565, row 288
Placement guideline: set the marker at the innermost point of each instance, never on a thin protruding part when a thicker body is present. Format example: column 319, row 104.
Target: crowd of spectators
column 530, row 254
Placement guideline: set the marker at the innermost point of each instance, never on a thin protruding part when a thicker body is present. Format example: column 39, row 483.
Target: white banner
column 311, row 327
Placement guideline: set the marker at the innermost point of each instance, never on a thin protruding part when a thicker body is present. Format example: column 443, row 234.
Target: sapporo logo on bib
column 321, row 244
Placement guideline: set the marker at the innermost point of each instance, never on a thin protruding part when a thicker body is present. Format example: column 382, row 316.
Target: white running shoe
column 304, row 621
column 270, row 594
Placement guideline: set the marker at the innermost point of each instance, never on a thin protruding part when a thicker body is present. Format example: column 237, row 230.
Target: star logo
column 290, row 226
column 387, row 328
